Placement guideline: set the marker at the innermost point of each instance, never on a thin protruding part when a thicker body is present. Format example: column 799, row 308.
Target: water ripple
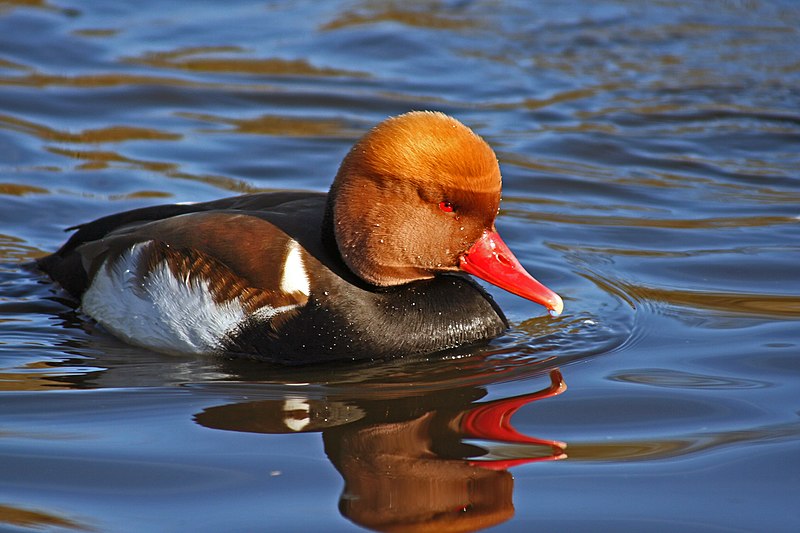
column 675, row 379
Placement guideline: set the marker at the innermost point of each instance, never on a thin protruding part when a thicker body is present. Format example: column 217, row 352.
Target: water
column 651, row 156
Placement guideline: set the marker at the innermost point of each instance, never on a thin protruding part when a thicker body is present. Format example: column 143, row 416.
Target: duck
column 377, row 268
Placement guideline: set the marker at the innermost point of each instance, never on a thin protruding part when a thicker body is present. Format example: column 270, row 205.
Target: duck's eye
column 447, row 207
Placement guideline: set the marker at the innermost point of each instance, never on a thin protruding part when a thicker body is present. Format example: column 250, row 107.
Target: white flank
column 159, row 311
column 295, row 278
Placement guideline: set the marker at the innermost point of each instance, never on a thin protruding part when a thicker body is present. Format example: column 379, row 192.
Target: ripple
column 44, row 5
column 278, row 125
column 16, row 250
column 103, row 159
column 526, row 351
column 637, row 222
column 196, row 59
column 675, row 379
column 96, row 32
column 38, row 519
column 755, row 305
column 94, row 81
column 16, row 189
column 431, row 15
column 766, row 306
column 677, row 446
column 111, row 134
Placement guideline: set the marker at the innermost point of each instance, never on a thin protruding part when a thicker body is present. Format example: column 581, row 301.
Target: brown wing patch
column 193, row 266
column 251, row 248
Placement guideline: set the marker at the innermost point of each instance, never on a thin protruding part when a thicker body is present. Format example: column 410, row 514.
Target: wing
column 68, row 266
column 189, row 283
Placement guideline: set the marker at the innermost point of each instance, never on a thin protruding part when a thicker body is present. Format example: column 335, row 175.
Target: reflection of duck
column 406, row 461
column 299, row 277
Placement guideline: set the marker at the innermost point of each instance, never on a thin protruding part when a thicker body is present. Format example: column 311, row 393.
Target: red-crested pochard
column 370, row 270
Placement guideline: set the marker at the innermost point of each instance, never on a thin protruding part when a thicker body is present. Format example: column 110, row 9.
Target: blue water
column 651, row 162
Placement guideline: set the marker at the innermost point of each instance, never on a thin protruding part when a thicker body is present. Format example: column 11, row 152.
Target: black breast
column 351, row 323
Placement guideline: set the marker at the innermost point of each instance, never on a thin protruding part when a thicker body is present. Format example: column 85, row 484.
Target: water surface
column 650, row 154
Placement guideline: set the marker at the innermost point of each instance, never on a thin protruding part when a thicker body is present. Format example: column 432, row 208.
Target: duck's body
column 253, row 275
column 368, row 271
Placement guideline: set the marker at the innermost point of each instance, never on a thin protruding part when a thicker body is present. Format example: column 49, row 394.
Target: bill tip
column 556, row 307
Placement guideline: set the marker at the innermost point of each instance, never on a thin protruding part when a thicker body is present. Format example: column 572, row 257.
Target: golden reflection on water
column 96, row 32
column 89, row 81
column 8, row 5
column 103, row 159
column 428, row 14
column 112, row 134
column 762, row 306
column 37, row 519
column 668, row 448
column 278, row 126
column 565, row 96
column 651, row 222
column 34, row 376
column 187, row 59
column 16, row 250
column 100, row 159
column 756, row 305
column 16, row 189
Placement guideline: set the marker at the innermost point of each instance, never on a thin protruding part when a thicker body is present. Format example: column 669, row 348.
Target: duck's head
column 417, row 196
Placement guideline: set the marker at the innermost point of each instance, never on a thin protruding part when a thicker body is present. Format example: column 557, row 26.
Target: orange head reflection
column 436, row 462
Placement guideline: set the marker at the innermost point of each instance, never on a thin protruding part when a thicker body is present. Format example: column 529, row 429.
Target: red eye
column 447, row 207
